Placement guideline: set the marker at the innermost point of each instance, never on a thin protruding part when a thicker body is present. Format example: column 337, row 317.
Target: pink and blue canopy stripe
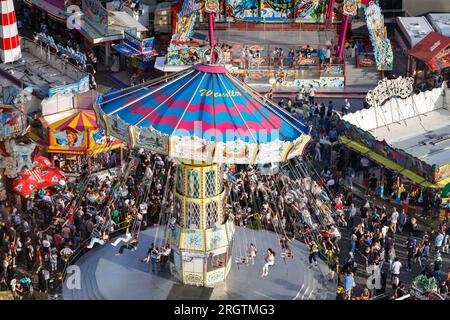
column 206, row 102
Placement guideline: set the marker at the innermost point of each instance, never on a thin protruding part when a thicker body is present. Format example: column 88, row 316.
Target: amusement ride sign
column 386, row 89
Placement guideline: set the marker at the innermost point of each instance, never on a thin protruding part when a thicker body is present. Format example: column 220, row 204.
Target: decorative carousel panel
column 180, row 180
column 212, row 213
column 99, row 117
column 193, row 181
column 216, row 238
column 176, row 267
column 150, row 139
column 191, row 148
column 210, row 183
column 175, row 272
column 215, row 276
column 192, row 240
column 194, row 215
column 173, row 234
column 179, row 207
column 118, row 128
column 193, row 278
column 298, row 147
column 272, row 152
column 235, row 152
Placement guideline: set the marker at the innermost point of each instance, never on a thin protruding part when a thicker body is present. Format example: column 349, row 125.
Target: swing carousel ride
column 206, row 120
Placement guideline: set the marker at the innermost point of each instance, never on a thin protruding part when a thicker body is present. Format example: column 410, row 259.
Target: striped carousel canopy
column 202, row 114
column 80, row 120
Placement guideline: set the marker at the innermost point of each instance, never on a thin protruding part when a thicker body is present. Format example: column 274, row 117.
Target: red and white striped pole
column 9, row 36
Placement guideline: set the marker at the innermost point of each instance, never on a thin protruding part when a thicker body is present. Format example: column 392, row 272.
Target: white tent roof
column 160, row 64
column 440, row 22
column 416, row 135
column 413, row 124
column 414, row 28
column 122, row 20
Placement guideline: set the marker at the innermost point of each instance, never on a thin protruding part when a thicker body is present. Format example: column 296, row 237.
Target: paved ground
column 400, row 246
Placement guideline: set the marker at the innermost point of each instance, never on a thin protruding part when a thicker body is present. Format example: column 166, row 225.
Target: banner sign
column 77, row 87
column 386, row 89
column 143, row 46
column 12, row 123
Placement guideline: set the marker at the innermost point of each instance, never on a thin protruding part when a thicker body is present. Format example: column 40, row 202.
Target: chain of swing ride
column 75, row 204
column 163, row 217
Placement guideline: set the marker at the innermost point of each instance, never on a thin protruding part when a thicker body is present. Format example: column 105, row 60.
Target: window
column 193, row 184
column 180, row 180
column 216, row 262
column 193, row 215
column 210, row 183
column 178, row 209
column 211, row 214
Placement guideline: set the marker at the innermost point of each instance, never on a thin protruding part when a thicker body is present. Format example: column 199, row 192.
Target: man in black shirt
column 364, row 213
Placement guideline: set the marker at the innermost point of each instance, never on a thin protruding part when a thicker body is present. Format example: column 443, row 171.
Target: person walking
column 318, row 155
column 313, row 252
column 349, row 284
column 395, row 271
column 393, row 219
column 346, row 107
column 411, row 247
column 312, row 95
column 402, row 219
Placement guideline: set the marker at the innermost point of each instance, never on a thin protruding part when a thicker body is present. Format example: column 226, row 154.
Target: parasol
column 40, row 177
column 41, row 162
column 203, row 114
column 30, row 181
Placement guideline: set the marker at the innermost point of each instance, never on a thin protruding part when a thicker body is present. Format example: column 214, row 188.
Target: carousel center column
column 201, row 239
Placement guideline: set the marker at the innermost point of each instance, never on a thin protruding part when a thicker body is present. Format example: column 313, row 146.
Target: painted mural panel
column 276, row 10
column 193, row 239
column 378, row 34
column 310, row 10
column 216, row 238
column 194, row 278
column 215, row 276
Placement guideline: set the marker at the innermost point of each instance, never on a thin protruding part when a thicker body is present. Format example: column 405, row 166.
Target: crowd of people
column 40, row 235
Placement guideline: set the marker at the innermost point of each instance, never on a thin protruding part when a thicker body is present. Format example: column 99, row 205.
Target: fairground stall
column 14, row 155
column 410, row 31
column 49, row 69
column 283, row 59
column 407, row 134
column 68, row 130
column 430, row 55
column 137, row 55
column 101, row 28
column 300, row 64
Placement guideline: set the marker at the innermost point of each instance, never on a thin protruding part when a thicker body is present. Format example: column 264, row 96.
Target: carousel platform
column 105, row 276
